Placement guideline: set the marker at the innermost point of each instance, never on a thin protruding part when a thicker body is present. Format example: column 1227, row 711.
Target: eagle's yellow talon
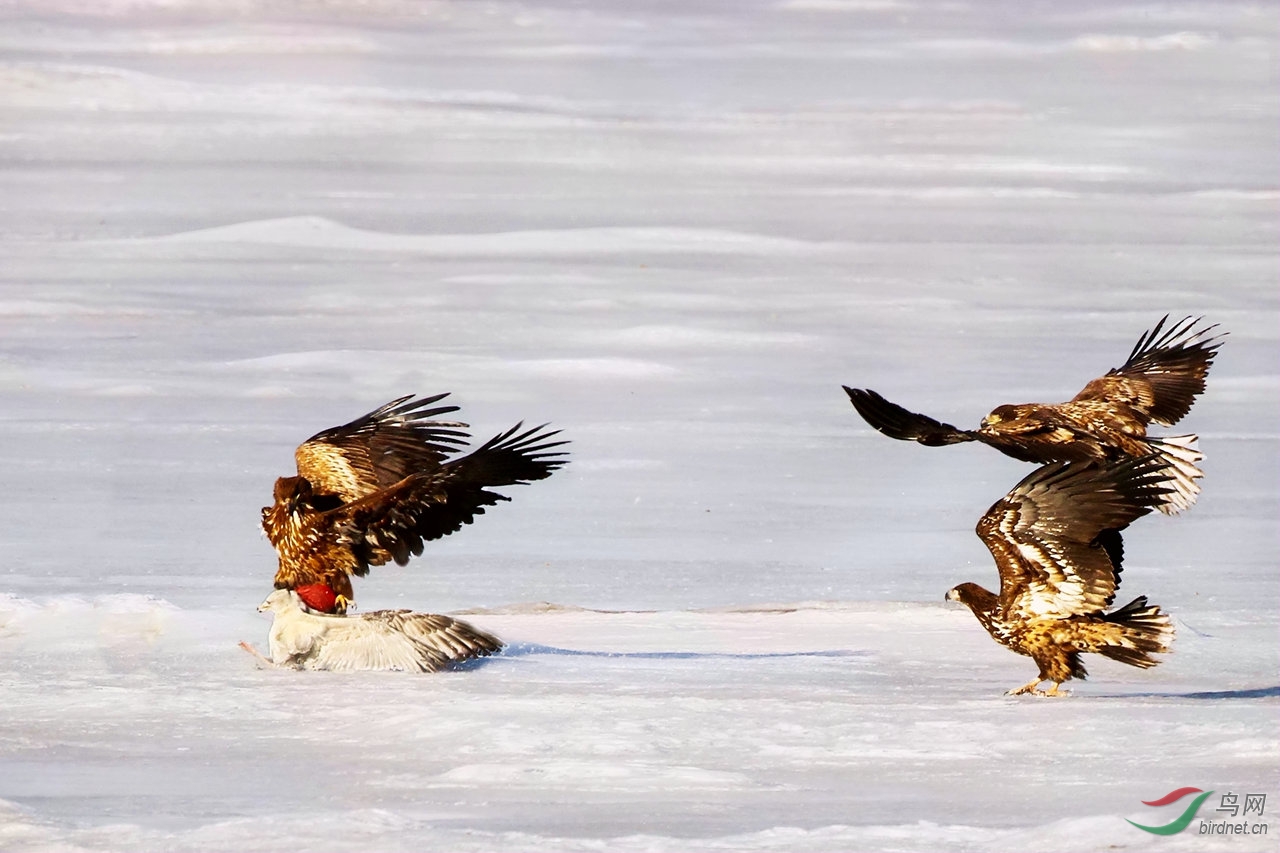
column 340, row 603
column 1029, row 687
column 1034, row 689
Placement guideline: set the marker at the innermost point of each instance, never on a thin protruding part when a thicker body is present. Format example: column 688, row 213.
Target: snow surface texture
column 673, row 230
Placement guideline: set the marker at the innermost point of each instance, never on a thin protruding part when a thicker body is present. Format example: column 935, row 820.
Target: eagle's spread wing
column 1029, row 432
column 394, row 523
column 896, row 422
column 376, row 489
column 379, row 449
column 1056, row 536
column 1164, row 373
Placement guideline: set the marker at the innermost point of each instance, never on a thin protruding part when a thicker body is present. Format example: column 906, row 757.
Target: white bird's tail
column 452, row 639
column 1180, row 455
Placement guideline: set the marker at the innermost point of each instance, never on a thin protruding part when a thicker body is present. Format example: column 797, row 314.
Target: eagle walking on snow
column 1057, row 547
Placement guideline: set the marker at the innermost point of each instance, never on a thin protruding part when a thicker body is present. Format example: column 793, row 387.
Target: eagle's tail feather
column 1139, row 630
column 1180, row 455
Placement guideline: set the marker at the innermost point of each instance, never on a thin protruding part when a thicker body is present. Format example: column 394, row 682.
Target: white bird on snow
column 381, row 640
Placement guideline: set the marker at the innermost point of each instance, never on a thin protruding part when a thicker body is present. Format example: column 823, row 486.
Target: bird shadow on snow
column 526, row 649
column 1248, row 693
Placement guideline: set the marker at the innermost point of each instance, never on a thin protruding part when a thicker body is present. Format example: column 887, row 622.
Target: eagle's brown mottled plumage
column 376, row 489
column 1106, row 421
column 379, row 449
column 1056, row 542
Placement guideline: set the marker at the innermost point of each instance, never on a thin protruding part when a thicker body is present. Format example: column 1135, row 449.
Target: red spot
column 317, row 596
column 1172, row 797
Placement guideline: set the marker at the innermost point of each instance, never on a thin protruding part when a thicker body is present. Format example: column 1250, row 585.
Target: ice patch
column 320, row 233
column 846, row 5
column 374, row 828
column 135, row 390
column 618, row 464
column 1106, row 43
column 689, row 337
column 39, row 308
column 622, row 775
column 76, row 614
column 291, row 41
column 601, row 368
column 924, row 165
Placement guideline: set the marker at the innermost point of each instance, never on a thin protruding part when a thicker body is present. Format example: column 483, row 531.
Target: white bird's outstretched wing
column 399, row 640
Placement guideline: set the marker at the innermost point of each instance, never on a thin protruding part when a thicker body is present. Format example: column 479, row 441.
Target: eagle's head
column 291, row 492
column 974, row 597
column 999, row 415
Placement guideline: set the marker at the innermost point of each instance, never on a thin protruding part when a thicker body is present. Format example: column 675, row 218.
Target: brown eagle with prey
column 1056, row 542
column 377, row 488
column 1106, row 421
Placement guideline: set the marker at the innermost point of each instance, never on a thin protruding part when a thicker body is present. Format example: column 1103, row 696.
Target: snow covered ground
column 673, row 230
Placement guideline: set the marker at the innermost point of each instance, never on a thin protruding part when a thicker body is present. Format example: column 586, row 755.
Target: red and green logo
column 1183, row 820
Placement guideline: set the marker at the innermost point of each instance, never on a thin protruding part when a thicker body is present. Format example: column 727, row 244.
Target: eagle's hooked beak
column 290, row 493
column 953, row 594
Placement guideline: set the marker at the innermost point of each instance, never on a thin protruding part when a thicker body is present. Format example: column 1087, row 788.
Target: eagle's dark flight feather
column 1106, row 421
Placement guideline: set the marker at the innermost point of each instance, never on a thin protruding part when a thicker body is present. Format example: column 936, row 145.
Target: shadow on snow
column 1248, row 693
column 526, row 649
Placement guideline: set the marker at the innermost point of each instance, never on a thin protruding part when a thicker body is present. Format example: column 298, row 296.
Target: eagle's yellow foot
column 1030, row 687
column 1033, row 687
column 340, row 604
